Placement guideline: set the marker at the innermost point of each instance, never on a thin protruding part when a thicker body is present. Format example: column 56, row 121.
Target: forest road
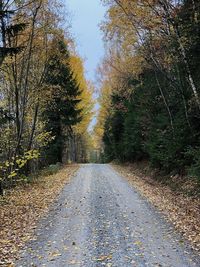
column 100, row 220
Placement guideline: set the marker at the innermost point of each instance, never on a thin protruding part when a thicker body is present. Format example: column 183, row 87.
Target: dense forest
column 149, row 79
column 45, row 101
column 150, row 89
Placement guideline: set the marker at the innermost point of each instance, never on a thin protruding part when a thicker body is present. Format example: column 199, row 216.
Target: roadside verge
column 182, row 210
column 21, row 208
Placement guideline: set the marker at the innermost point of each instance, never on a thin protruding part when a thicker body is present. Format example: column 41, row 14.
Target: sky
column 86, row 17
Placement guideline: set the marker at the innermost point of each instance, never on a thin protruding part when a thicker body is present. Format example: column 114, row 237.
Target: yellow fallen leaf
column 138, row 243
column 104, row 257
column 55, row 254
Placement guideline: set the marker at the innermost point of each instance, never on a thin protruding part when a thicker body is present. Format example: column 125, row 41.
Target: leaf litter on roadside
column 22, row 207
column 182, row 210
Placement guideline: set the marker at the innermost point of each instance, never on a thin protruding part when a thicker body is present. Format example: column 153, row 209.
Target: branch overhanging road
column 99, row 220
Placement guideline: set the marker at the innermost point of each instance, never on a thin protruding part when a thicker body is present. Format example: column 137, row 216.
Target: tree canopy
column 152, row 72
column 45, row 102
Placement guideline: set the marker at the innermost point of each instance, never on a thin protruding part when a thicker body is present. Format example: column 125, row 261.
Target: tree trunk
column 170, row 20
column 1, row 188
column 188, row 71
column 165, row 103
column 33, row 126
column 26, row 82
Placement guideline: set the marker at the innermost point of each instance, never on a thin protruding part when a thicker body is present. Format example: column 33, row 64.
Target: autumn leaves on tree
column 151, row 77
column 42, row 100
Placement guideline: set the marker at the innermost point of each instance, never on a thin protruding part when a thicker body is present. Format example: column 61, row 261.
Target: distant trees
column 153, row 68
column 81, row 140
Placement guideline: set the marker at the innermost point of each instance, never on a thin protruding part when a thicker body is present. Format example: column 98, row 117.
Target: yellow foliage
column 12, row 174
column 103, row 112
column 87, row 103
column 11, row 168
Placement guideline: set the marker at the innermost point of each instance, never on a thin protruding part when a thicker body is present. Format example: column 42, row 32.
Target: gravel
column 100, row 220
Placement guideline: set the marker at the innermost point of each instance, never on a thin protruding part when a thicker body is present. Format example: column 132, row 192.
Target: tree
column 61, row 111
column 79, row 143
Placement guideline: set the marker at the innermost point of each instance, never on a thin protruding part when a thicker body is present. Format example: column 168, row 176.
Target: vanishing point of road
column 100, row 220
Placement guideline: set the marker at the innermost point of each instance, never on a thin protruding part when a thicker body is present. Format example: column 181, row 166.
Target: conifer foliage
column 152, row 72
column 61, row 112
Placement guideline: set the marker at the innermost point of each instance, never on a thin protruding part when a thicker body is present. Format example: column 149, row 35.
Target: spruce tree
column 61, row 112
column 8, row 31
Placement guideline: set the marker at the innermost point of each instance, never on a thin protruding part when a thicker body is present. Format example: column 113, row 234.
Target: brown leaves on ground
column 21, row 208
column 182, row 210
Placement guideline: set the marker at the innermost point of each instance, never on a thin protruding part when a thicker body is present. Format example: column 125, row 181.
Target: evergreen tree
column 61, row 111
column 8, row 31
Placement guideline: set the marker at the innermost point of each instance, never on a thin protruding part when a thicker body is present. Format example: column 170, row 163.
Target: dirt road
column 99, row 220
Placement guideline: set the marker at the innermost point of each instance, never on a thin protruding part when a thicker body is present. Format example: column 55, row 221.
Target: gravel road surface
column 100, row 220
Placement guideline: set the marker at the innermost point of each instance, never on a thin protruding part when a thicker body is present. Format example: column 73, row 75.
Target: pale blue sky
column 86, row 16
